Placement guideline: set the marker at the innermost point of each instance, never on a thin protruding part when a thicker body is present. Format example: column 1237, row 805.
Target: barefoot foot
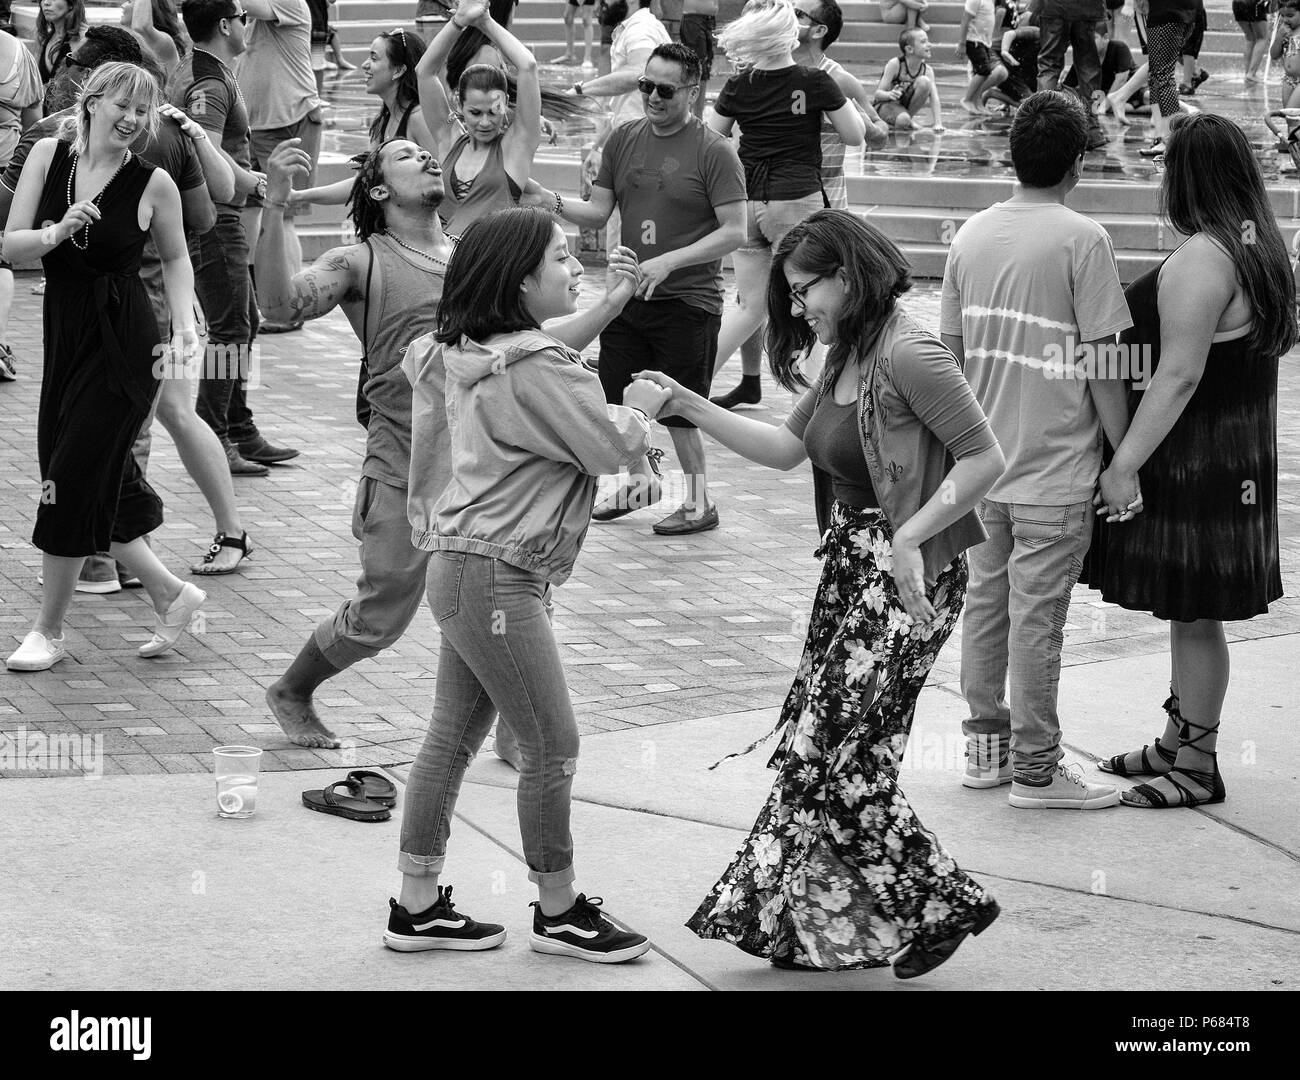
column 298, row 720
column 1119, row 108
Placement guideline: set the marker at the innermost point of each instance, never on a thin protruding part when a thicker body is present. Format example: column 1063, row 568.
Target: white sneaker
column 37, row 653
column 1067, row 791
column 988, row 762
column 171, row 626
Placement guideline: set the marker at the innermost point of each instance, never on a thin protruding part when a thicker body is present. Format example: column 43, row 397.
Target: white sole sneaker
column 541, row 944
column 984, row 780
column 36, row 653
column 403, row 943
column 1094, row 802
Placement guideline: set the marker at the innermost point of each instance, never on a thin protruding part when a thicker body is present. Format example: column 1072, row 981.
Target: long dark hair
column 166, row 21
column 73, row 23
column 481, row 296
column 404, row 47
column 367, row 214
column 462, row 77
column 825, row 243
column 1212, row 185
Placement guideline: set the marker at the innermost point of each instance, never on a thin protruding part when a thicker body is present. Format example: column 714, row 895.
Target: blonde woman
column 85, row 210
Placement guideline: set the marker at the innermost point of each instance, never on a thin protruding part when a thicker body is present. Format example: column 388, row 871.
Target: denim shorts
column 767, row 222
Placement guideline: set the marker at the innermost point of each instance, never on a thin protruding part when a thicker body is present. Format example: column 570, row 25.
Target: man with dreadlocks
column 389, row 285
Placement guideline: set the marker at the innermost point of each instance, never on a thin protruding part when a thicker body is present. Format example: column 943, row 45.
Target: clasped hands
column 1118, row 495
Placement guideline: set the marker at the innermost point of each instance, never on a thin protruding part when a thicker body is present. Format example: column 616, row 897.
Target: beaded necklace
column 415, row 250
column 72, row 178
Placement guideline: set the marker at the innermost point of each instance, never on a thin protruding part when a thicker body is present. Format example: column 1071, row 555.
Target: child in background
column 907, row 84
column 975, row 43
column 1286, row 47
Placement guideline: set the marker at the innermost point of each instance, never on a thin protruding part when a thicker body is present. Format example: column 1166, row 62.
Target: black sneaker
column 584, row 932
column 441, row 927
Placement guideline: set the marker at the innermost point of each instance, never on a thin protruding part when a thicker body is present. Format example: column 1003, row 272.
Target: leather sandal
column 218, row 542
column 1116, row 767
column 326, row 801
column 1147, row 797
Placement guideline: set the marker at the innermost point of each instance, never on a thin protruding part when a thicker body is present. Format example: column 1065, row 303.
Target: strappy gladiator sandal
column 1155, row 799
column 218, row 542
column 1116, row 767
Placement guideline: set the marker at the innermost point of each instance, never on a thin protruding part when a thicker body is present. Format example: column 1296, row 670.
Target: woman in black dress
column 1210, row 322
column 86, row 208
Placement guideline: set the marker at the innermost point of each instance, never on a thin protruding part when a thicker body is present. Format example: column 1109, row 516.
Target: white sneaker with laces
column 1067, row 791
column 37, row 653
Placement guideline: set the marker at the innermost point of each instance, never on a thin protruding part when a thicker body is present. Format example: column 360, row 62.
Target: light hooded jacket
column 527, row 432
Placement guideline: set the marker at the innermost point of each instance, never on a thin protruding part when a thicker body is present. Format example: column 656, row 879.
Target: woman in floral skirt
column 838, row 872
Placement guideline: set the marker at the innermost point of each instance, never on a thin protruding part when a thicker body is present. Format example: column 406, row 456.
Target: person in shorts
column 681, row 191
column 279, row 89
column 571, row 9
column 1019, row 51
column 699, row 25
column 975, row 43
column 1252, row 17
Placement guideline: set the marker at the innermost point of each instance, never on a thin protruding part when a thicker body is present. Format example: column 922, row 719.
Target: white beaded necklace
column 72, row 177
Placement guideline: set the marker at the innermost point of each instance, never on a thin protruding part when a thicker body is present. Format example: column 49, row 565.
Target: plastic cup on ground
column 237, row 769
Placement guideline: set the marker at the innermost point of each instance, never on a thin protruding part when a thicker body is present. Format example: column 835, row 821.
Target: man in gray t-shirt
column 1031, row 299
column 680, row 189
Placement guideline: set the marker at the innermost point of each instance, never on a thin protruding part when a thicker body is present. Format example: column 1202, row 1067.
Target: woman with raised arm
column 486, row 150
column 156, row 23
column 390, row 76
column 529, row 433
column 59, row 27
column 779, row 106
column 86, row 210
column 838, row 872
column 1200, row 456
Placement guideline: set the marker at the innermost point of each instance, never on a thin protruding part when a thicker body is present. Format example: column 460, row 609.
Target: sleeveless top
column 904, row 79
column 403, row 290
column 400, row 133
column 99, row 289
column 837, row 191
column 492, row 189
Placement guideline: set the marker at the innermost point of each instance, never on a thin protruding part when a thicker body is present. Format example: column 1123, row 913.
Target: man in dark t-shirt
column 681, row 193
column 1116, row 61
column 204, row 87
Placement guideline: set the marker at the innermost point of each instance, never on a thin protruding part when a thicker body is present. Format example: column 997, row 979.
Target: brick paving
column 652, row 630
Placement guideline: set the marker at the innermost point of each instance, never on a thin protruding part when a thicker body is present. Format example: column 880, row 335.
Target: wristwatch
column 577, row 89
column 260, row 190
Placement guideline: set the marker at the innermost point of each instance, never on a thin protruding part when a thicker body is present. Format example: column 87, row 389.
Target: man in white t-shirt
column 1030, row 307
column 279, row 88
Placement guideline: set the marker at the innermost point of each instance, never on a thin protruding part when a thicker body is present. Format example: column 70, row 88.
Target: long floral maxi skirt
column 838, row 872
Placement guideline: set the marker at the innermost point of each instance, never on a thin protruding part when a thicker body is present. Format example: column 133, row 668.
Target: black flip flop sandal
column 218, row 542
column 374, row 786
column 326, row 801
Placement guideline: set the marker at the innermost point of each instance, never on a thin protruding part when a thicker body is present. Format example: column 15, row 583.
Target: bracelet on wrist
column 641, row 412
column 558, row 208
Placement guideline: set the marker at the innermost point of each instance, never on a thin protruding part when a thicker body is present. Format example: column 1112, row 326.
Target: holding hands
column 622, row 275
column 470, row 12
column 646, row 395
column 1118, row 495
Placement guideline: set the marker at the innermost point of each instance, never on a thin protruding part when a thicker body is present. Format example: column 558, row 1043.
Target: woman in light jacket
column 838, row 872
column 529, row 433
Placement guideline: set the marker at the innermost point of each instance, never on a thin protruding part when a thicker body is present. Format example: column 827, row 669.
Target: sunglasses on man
column 665, row 90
